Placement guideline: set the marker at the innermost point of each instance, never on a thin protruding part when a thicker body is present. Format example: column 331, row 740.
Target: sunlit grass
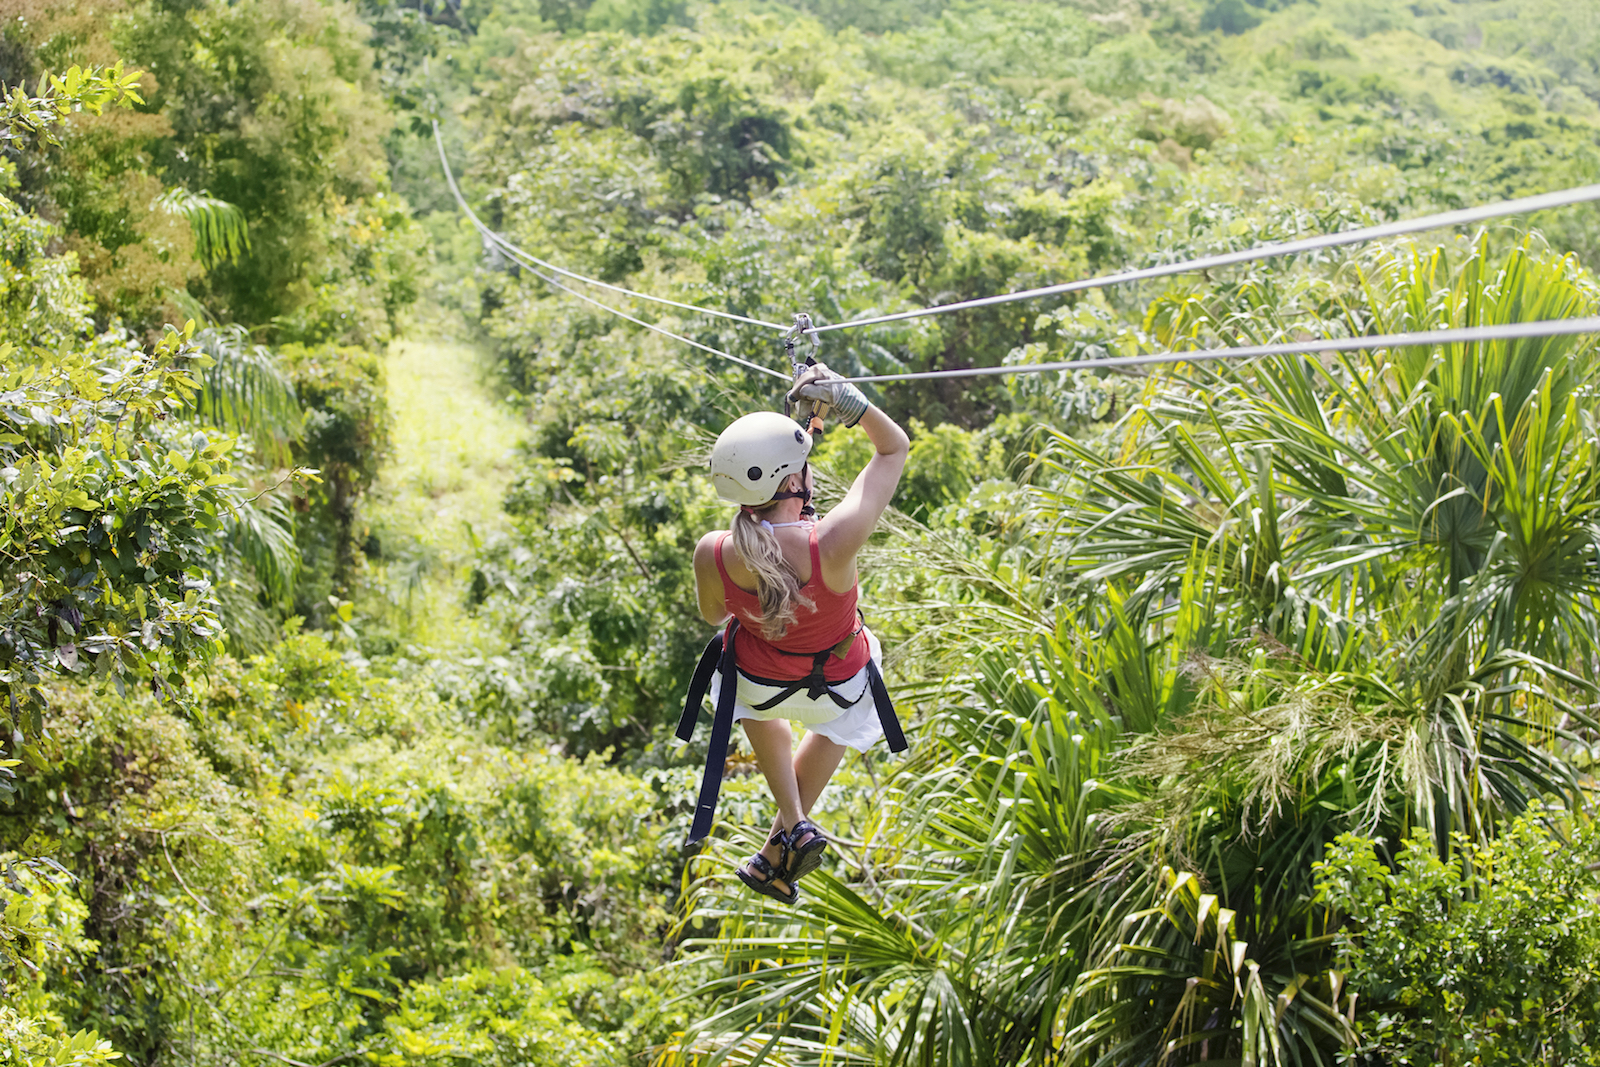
column 438, row 497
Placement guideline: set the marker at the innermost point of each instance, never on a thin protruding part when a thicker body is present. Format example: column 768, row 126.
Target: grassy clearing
column 439, row 496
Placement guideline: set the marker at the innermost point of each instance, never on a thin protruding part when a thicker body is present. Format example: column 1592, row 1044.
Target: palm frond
column 261, row 533
column 249, row 626
column 221, row 231
column 244, row 390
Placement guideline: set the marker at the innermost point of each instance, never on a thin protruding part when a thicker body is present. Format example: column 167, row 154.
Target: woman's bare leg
column 796, row 778
column 773, row 743
column 814, row 765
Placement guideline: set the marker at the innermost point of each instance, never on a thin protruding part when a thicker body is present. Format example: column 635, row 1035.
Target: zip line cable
column 509, row 247
column 1562, row 198
column 1510, row 332
column 515, row 255
column 536, row 272
column 650, row 325
column 528, row 262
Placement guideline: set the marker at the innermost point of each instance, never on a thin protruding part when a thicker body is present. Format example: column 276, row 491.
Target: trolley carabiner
column 808, row 413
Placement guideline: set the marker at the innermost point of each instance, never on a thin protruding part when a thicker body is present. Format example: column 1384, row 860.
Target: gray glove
column 822, row 385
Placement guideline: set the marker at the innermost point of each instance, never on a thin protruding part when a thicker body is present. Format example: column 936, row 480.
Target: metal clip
column 808, row 413
column 802, row 328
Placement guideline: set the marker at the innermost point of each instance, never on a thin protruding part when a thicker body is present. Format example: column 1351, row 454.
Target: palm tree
column 1300, row 596
column 243, row 390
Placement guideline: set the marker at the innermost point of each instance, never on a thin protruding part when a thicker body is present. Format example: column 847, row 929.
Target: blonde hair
column 777, row 584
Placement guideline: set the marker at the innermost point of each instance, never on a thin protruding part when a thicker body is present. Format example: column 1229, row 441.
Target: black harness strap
column 698, row 686
column 815, row 685
column 886, row 716
column 705, row 805
column 718, row 657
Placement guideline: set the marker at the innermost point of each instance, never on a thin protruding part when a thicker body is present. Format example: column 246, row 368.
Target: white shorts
column 856, row 726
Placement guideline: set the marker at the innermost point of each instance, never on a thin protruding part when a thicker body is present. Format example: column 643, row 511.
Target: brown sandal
column 765, row 885
column 802, row 859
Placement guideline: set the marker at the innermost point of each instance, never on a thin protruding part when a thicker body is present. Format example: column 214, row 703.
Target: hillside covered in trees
column 347, row 595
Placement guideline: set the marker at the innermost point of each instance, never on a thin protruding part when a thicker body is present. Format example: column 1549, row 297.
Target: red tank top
column 825, row 626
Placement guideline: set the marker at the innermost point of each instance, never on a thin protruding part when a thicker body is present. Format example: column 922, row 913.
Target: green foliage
column 1475, row 468
column 27, row 119
column 345, row 436
column 41, row 930
column 43, row 301
column 251, row 173
column 498, row 1019
column 28, row 1046
column 598, row 654
column 294, row 863
column 108, row 520
column 363, row 277
column 1219, row 619
column 272, row 109
column 1487, row 957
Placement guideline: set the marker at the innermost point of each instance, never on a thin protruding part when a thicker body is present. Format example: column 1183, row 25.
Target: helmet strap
column 803, row 495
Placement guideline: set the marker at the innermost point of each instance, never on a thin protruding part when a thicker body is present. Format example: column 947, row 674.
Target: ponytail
column 777, row 584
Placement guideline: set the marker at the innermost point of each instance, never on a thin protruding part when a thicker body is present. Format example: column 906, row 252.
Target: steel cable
column 533, row 263
column 650, row 325
column 533, row 259
column 1508, row 332
column 1513, row 331
column 1544, row 201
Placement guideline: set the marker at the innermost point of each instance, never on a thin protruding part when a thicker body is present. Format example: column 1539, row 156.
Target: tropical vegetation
column 347, row 600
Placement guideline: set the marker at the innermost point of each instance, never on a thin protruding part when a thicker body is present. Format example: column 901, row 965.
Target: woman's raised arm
column 846, row 528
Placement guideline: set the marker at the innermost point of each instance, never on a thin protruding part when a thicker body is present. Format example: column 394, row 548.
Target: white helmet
column 755, row 454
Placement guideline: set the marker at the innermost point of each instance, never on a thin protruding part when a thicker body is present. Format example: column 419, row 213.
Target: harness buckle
column 816, row 682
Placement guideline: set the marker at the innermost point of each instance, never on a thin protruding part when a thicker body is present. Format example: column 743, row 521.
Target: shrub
column 1490, row 955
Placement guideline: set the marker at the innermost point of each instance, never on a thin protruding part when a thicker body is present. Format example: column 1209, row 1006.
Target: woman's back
column 827, row 622
column 838, row 570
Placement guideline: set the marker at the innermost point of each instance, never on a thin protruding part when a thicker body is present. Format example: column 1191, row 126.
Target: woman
column 789, row 582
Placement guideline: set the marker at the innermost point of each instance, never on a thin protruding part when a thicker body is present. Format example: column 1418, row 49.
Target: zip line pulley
column 809, row 413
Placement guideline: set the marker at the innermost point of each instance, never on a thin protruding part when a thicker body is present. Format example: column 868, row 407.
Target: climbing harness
column 718, row 658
